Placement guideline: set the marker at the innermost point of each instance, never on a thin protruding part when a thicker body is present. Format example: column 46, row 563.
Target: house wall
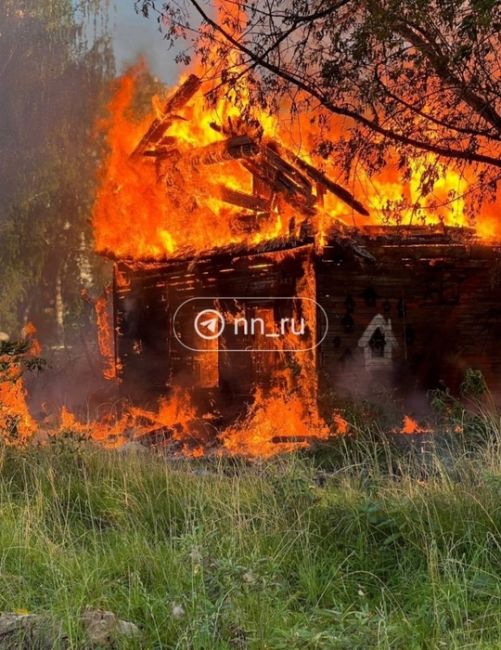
column 150, row 359
column 444, row 304
column 440, row 305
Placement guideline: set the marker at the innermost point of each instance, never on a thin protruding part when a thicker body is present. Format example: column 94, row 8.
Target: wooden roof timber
column 158, row 127
column 280, row 170
column 419, row 242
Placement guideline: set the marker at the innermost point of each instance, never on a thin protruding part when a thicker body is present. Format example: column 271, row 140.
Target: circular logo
column 209, row 324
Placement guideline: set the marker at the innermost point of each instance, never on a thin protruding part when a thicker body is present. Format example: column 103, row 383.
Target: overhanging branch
column 446, row 152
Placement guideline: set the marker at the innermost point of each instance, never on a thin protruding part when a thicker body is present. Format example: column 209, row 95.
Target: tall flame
column 162, row 207
column 137, row 215
column 17, row 426
column 105, row 336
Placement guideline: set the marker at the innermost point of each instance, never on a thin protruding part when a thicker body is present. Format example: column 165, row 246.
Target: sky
column 134, row 35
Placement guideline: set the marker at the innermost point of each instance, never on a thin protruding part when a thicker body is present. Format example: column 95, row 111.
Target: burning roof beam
column 243, row 200
column 333, row 187
column 235, row 148
column 158, row 127
column 279, row 172
column 282, row 179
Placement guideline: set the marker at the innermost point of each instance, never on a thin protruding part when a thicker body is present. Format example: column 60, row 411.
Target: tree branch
column 441, row 67
column 447, row 152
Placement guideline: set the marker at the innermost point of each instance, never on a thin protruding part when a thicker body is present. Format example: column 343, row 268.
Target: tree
column 404, row 78
column 17, row 358
column 53, row 80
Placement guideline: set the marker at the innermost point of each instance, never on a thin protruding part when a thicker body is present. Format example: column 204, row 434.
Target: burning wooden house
column 405, row 307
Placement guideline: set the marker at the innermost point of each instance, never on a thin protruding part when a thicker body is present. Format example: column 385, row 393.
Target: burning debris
column 242, row 179
column 411, row 428
column 238, row 184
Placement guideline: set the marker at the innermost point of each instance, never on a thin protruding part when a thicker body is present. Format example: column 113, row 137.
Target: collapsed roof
column 276, row 171
column 171, row 174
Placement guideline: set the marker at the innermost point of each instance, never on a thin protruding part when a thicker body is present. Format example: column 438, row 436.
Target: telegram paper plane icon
column 209, row 324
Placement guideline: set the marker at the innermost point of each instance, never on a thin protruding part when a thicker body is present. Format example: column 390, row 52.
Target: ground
column 361, row 544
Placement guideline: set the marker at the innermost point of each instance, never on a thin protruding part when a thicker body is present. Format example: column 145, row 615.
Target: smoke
column 136, row 37
column 73, row 379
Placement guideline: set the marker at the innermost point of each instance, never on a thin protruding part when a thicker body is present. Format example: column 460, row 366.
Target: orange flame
column 411, row 427
column 143, row 203
column 105, row 336
column 342, row 427
column 139, row 215
column 16, row 423
column 274, row 424
column 175, row 416
column 170, row 205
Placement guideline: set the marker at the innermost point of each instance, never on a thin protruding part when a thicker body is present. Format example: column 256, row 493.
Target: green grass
column 358, row 546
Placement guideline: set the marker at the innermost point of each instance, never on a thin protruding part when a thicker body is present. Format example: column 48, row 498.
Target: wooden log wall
column 444, row 304
column 150, row 359
column 437, row 308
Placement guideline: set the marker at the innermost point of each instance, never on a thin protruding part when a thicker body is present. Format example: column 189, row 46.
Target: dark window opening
column 377, row 343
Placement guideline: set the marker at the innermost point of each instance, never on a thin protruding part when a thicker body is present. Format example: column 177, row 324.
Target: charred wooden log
column 217, row 127
column 333, row 187
column 243, row 200
column 300, row 203
column 320, row 179
column 260, row 188
column 247, row 223
column 265, row 175
column 282, row 178
column 163, row 153
column 235, row 148
column 165, row 146
column 296, row 181
column 158, row 127
column 168, row 141
column 183, row 94
column 281, row 184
